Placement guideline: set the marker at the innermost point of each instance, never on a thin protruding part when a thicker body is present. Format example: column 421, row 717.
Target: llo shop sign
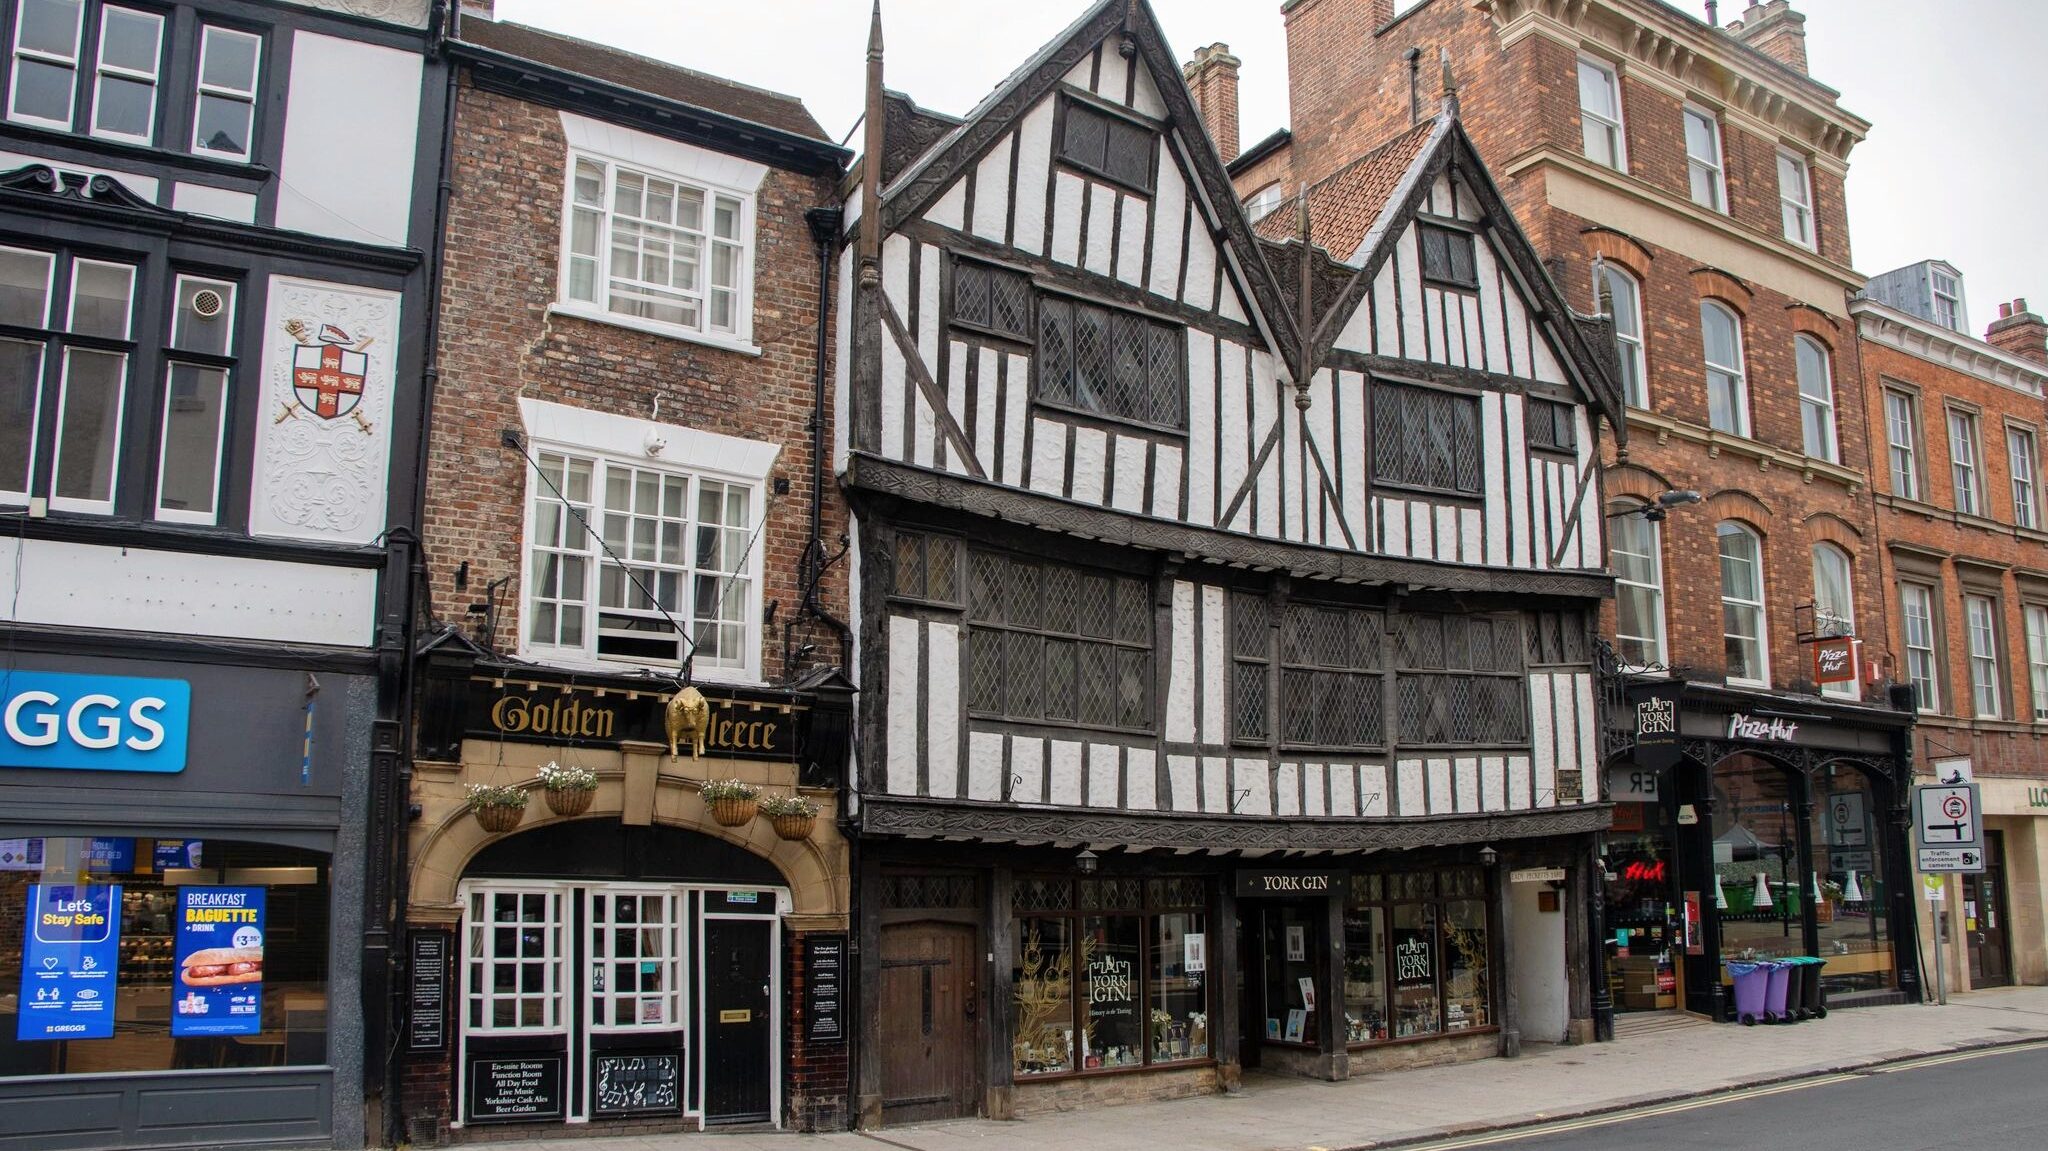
column 93, row 722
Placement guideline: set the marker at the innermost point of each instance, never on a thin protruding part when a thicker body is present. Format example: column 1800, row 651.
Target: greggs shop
column 179, row 907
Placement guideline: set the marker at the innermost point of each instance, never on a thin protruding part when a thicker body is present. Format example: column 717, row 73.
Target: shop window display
column 1762, row 886
column 1848, row 866
column 1293, row 939
column 1365, row 962
column 1109, row 974
column 1416, row 951
column 195, row 1004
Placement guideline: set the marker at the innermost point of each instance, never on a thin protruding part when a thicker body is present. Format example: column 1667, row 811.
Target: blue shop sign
column 219, row 985
column 93, row 722
column 69, row 958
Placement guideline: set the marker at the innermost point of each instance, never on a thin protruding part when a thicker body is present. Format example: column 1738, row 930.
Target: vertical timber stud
column 999, row 1023
column 1225, row 1038
column 867, row 1106
column 866, row 373
column 1330, row 1005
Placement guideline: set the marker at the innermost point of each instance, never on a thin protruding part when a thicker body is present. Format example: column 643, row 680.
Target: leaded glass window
column 1425, row 438
column 1448, row 257
column 1111, row 363
column 1107, row 145
column 1331, row 688
column 991, row 299
column 1058, row 644
column 1461, row 681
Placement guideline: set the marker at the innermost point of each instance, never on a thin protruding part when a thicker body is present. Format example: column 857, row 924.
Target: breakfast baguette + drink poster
column 218, row 988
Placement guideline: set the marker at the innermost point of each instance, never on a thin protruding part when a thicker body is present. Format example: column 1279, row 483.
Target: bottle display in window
column 1044, row 995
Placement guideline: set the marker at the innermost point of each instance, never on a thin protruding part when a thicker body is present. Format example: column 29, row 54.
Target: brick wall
column 498, row 342
column 816, row 1080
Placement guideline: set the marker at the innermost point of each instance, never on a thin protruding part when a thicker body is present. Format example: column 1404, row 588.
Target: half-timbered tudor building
column 214, row 294
column 1224, row 601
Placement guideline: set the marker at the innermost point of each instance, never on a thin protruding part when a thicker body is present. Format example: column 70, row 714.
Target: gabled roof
column 923, row 179
column 1343, row 207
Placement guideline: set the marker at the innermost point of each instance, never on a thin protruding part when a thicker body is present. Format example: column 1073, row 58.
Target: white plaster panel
column 1351, row 447
column 1385, row 324
column 135, row 589
column 895, row 382
column 1393, row 516
column 1543, row 729
column 1343, row 789
column 1465, row 783
column 1518, row 480
column 1129, row 493
column 1200, row 288
column 1048, row 454
column 1145, row 98
column 1251, row 787
column 942, row 716
column 1372, row 791
column 843, row 341
column 1287, row 789
column 1180, row 674
column 1091, row 446
column 1166, row 479
column 1493, row 479
column 351, row 128
column 950, row 210
column 1184, row 794
column 1169, row 208
column 1109, row 79
column 1027, row 769
column 985, row 765
column 1475, row 351
column 220, row 203
column 1589, row 755
column 1130, row 241
column 1229, row 305
column 1356, row 335
column 1314, row 799
column 904, row 715
column 1265, row 410
column 1410, row 287
column 1215, row 665
column 1421, row 530
column 1491, row 318
column 1547, row 367
column 1080, row 75
column 1034, row 168
column 1440, row 801
column 1066, row 217
column 1202, row 417
column 1233, row 427
column 1519, row 783
column 1101, row 228
column 1448, row 533
column 985, row 396
column 1065, row 788
column 928, row 258
column 1410, row 782
column 1141, row 779
column 924, row 431
column 1567, row 720
column 1471, row 536
column 992, row 191
column 1104, row 774
column 1017, row 398
column 318, row 478
column 1215, row 783
column 1493, row 783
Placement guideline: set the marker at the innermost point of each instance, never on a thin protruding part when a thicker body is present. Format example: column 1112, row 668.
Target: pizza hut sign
column 1834, row 661
column 1741, row 726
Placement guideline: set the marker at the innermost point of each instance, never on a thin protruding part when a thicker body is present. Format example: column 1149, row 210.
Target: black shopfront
column 1753, row 825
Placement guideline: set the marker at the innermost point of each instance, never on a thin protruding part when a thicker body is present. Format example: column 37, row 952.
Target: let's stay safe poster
column 219, row 985
column 69, row 958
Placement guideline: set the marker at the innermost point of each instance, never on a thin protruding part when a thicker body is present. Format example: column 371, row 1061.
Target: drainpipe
column 825, row 224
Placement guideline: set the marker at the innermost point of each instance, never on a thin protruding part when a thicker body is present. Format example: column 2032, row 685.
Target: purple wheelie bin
column 1774, row 993
column 1751, row 983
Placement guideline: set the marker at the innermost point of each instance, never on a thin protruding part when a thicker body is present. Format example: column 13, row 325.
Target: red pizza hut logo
column 329, row 371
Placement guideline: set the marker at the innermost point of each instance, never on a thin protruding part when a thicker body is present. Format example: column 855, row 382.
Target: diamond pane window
column 1055, row 644
column 1111, row 363
column 1425, row 438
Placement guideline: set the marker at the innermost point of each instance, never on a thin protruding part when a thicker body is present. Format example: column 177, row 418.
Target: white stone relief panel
column 323, row 429
column 410, row 13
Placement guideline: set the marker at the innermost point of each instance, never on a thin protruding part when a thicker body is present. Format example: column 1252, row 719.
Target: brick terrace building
column 624, row 501
column 1960, row 514
column 1698, row 171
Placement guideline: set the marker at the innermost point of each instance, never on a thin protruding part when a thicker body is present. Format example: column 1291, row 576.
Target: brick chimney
column 1212, row 77
column 1774, row 29
column 2019, row 331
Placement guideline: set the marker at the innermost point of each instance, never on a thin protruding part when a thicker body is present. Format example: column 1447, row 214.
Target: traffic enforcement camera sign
column 1948, row 828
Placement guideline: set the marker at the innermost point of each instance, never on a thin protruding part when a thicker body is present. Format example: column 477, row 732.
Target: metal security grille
column 1058, row 644
column 1110, row 362
column 1461, row 681
column 1424, row 438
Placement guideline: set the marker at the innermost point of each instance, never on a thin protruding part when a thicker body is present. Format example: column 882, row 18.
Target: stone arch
column 1816, row 323
column 1618, row 247
column 1632, row 482
column 1737, row 504
column 1835, row 530
column 1715, row 284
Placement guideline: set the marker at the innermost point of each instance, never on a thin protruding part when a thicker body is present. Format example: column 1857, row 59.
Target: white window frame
column 74, row 503
column 676, row 941
column 622, row 440
column 1615, row 126
column 1953, row 297
column 1817, row 408
column 172, row 359
column 1965, row 468
column 1980, row 625
column 1715, row 166
column 2022, row 462
column 1261, row 203
column 202, row 89
column 43, row 347
column 741, row 338
column 1902, row 418
column 1630, row 343
column 1795, row 204
column 1762, row 638
column 1658, row 650
column 1839, row 623
column 1917, row 607
column 1735, row 371
column 73, row 62
column 2036, row 617
column 103, row 70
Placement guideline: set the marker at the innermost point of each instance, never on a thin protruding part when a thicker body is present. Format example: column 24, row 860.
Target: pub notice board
column 824, row 987
column 515, row 1088
column 427, row 1007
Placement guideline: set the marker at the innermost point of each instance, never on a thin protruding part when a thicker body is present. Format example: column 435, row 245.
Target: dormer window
column 1449, row 259
column 1104, row 144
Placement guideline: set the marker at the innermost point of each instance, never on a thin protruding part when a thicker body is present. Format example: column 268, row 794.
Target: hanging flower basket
column 497, row 808
column 732, row 802
column 569, row 790
column 792, row 816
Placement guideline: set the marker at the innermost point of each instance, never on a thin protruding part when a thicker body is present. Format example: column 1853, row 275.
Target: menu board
column 427, row 1013
column 219, row 987
column 637, row 1084
column 515, row 1088
column 824, row 986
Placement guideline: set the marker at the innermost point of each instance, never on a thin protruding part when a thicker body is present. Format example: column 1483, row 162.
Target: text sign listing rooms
column 70, row 953
column 93, row 722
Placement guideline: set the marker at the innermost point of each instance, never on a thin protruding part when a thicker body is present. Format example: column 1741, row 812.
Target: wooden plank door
column 929, row 990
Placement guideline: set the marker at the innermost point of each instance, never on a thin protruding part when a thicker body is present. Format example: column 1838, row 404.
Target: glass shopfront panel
column 260, row 1003
column 1644, row 935
column 1416, row 955
column 1293, row 939
column 1762, row 885
column 1848, row 863
column 1108, row 974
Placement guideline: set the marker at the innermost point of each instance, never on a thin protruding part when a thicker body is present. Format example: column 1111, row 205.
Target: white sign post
column 1948, row 827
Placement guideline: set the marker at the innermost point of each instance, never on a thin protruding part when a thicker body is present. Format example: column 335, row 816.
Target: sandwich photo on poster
column 218, row 989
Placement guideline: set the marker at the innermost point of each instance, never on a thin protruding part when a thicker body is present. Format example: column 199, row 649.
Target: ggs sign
column 93, row 722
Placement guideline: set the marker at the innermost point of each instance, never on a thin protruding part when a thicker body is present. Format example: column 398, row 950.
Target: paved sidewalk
column 1546, row 1083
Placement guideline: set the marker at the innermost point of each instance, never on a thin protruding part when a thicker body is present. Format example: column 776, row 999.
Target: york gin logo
column 1657, row 717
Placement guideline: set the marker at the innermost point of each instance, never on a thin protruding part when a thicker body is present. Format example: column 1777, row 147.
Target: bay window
column 657, row 250
column 1742, row 605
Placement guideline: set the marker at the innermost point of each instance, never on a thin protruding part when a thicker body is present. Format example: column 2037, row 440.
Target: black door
column 1984, row 918
column 737, row 990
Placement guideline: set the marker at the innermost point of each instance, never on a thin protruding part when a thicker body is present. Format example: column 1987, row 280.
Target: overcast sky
column 1956, row 90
